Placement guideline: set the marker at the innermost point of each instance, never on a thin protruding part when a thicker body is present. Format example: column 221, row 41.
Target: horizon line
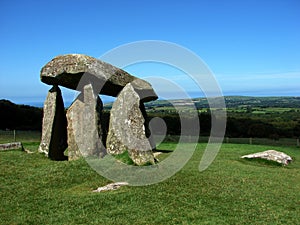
column 40, row 103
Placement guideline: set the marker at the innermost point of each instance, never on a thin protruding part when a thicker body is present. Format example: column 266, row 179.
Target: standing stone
column 54, row 131
column 84, row 127
column 126, row 128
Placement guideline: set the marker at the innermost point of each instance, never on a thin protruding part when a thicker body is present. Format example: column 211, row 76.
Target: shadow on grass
column 163, row 150
column 261, row 162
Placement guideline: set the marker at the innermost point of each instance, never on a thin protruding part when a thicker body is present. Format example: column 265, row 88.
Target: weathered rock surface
column 76, row 70
column 272, row 155
column 127, row 129
column 54, row 131
column 84, row 127
column 11, row 146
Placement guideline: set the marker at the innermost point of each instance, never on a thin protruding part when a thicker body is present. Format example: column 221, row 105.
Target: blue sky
column 252, row 47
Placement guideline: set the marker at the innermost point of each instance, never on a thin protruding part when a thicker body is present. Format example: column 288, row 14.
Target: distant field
column 36, row 190
column 235, row 101
column 270, row 110
column 263, row 110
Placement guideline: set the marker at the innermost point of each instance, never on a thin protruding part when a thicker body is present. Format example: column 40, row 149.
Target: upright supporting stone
column 84, row 127
column 126, row 128
column 54, row 131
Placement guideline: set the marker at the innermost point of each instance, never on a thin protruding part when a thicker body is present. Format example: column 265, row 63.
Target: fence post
column 227, row 139
column 298, row 142
column 14, row 135
column 250, row 141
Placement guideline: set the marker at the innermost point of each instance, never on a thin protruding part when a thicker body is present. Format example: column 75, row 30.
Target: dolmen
column 79, row 128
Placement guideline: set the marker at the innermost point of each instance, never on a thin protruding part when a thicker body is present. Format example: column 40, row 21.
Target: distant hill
column 19, row 117
column 277, row 102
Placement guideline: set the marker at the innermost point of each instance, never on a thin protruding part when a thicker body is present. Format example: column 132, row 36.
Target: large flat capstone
column 76, row 70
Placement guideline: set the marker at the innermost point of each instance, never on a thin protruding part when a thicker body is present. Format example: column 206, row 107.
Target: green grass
column 257, row 110
column 36, row 190
column 264, row 162
column 125, row 158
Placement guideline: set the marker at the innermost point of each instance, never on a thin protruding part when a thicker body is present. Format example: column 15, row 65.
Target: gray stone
column 76, row 70
column 11, row 146
column 127, row 130
column 84, row 127
column 54, row 131
column 271, row 155
column 111, row 187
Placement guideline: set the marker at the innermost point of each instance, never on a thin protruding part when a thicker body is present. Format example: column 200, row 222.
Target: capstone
column 76, row 70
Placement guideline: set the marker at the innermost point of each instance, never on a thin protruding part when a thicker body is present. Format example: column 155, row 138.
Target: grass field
column 36, row 190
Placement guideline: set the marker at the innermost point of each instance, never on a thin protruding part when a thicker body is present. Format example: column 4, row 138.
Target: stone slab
column 76, row 70
column 11, row 146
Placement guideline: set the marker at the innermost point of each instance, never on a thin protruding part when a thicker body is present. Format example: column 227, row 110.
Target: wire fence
column 264, row 141
column 254, row 141
column 7, row 136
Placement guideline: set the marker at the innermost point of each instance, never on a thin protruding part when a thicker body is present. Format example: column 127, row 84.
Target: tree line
column 238, row 127
column 19, row 117
column 23, row 117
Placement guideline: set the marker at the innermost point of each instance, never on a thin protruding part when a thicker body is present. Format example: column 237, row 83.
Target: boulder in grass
column 271, row 155
column 11, row 146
